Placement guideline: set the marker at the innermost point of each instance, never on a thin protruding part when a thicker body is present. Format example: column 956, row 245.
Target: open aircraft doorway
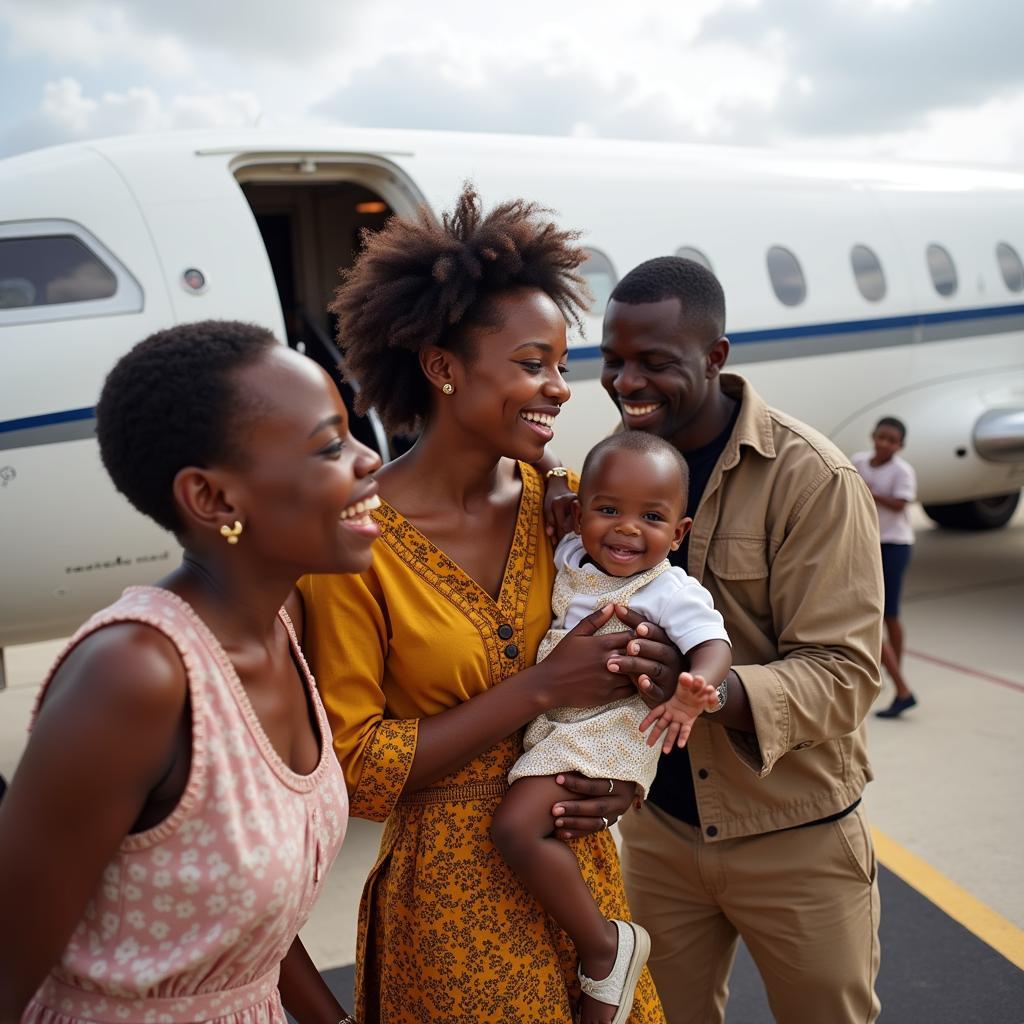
column 313, row 230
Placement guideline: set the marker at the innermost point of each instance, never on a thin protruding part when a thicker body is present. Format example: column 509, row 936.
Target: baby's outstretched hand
column 672, row 721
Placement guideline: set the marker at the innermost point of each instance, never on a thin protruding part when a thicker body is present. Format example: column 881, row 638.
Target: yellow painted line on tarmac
column 991, row 927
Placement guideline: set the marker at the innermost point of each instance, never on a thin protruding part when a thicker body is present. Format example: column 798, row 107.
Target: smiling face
column 304, row 483
column 510, row 387
column 630, row 511
column 658, row 369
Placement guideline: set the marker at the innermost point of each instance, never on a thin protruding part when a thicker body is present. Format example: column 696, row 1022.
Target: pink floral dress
column 192, row 917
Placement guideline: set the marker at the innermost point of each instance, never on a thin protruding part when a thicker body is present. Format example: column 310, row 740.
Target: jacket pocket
column 739, row 557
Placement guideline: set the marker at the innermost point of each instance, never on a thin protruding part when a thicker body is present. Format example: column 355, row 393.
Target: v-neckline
column 521, row 533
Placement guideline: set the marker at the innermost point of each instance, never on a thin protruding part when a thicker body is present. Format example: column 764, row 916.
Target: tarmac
column 945, row 803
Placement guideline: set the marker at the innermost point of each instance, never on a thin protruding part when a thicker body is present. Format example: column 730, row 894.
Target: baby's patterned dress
column 606, row 742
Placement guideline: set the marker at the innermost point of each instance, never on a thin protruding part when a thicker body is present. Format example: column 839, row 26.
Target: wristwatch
column 557, row 471
column 723, row 695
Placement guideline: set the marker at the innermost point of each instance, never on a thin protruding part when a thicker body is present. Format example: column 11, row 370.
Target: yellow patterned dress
column 446, row 932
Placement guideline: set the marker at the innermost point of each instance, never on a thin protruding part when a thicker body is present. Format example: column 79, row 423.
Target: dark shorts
column 895, row 559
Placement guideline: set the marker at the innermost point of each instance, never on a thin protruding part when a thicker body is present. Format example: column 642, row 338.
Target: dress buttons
column 505, row 631
column 703, row 773
column 712, row 831
column 511, row 651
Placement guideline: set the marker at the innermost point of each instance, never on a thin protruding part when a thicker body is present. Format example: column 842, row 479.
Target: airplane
column 855, row 290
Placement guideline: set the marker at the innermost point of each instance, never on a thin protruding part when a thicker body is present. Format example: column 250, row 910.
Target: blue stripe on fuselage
column 834, row 336
column 888, row 323
column 47, row 420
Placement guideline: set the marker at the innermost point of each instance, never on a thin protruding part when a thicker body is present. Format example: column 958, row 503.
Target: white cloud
column 539, row 94
column 991, row 133
column 932, row 78
column 167, row 36
column 895, row 5
column 65, row 113
column 90, row 37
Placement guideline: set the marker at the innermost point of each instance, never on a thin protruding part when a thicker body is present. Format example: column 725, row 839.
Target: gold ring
column 606, row 825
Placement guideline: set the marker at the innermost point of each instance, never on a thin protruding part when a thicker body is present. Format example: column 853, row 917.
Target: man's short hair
column 673, row 277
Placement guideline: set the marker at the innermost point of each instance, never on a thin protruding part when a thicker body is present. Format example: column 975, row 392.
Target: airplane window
column 942, row 269
column 867, row 271
column 689, row 253
column 51, row 269
column 601, row 279
column 1011, row 267
column 786, row 276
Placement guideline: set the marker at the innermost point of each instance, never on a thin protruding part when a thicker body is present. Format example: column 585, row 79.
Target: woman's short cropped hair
column 172, row 402
column 419, row 282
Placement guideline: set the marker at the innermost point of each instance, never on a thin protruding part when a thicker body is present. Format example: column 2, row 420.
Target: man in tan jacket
column 756, row 827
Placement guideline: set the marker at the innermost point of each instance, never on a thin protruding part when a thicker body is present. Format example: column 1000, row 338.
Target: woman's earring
column 448, row 389
column 231, row 533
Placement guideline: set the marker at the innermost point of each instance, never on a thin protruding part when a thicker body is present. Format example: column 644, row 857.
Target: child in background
column 893, row 485
column 629, row 514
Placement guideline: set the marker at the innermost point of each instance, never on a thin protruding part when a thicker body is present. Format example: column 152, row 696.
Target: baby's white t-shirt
column 673, row 600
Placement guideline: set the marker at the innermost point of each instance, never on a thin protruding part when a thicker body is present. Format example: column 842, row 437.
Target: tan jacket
column 786, row 540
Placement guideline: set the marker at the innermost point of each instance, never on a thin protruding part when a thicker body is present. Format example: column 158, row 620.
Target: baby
column 630, row 512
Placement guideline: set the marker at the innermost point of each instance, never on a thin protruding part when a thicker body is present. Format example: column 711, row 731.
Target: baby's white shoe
column 620, row 985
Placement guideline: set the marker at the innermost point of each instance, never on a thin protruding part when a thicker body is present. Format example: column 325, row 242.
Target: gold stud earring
column 231, row 533
column 448, row 389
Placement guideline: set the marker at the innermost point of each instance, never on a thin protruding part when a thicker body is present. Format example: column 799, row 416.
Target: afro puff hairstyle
column 172, row 402
column 420, row 283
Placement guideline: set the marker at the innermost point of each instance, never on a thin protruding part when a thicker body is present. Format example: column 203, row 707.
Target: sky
column 911, row 79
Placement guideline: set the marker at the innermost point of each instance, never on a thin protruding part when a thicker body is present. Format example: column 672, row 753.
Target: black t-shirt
column 672, row 789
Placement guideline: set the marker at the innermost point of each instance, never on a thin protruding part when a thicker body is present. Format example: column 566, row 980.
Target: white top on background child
column 894, row 478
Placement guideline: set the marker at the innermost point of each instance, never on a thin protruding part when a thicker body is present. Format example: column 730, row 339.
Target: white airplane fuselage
column 253, row 227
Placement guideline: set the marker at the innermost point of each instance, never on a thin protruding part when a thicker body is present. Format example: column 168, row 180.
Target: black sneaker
column 897, row 707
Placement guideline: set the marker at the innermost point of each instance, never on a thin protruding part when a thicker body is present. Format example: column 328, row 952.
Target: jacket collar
column 754, row 425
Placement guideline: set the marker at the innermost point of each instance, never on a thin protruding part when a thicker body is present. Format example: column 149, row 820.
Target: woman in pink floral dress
column 179, row 802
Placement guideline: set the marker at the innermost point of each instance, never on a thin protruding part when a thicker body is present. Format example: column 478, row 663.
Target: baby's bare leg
column 523, row 832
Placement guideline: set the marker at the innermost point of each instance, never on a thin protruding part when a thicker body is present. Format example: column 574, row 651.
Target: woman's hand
column 558, row 505
column 602, row 802
column 650, row 659
column 577, row 672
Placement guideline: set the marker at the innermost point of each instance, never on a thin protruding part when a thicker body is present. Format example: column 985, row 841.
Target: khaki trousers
column 804, row 900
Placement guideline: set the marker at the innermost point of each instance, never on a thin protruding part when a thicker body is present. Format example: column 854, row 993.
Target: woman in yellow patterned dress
column 460, row 329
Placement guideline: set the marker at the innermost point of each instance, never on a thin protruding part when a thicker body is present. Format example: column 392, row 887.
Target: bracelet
column 348, row 1019
column 557, row 471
